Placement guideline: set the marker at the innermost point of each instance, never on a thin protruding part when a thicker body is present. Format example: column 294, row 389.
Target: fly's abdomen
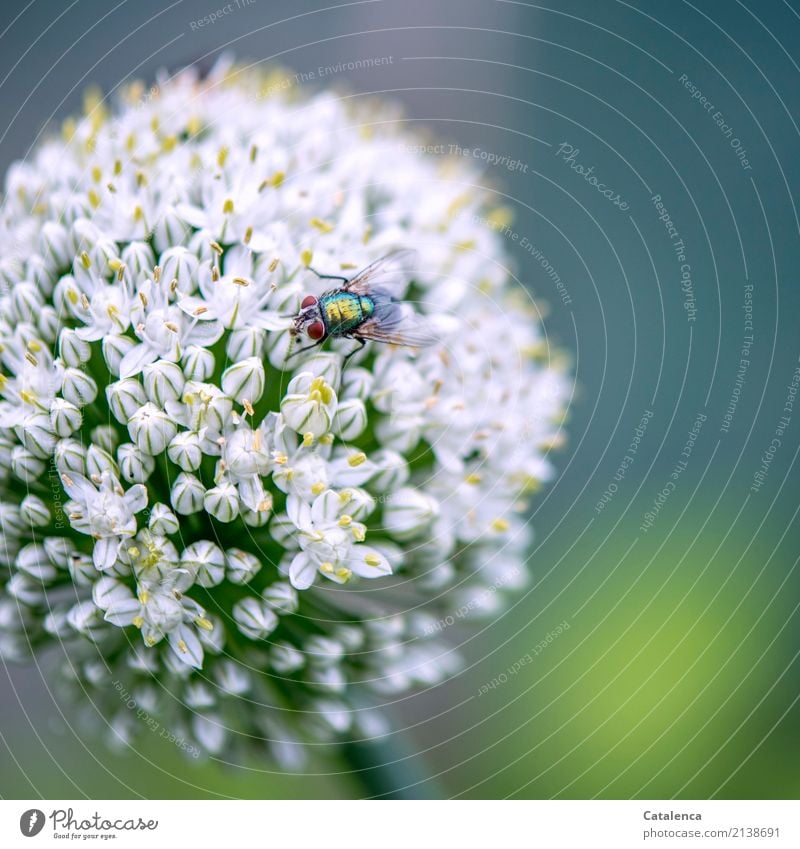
column 345, row 311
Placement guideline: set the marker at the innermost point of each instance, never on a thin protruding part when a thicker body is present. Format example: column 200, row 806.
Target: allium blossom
column 254, row 541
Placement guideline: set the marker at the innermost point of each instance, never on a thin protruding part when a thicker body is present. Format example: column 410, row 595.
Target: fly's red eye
column 308, row 301
column 316, row 330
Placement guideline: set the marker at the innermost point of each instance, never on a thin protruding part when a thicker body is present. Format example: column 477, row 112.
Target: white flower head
column 190, row 499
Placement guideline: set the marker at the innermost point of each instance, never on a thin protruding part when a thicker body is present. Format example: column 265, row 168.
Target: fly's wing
column 397, row 324
column 388, row 276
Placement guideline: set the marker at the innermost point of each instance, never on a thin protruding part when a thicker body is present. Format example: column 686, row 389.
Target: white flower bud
column 151, row 429
column 281, row 597
column 285, row 658
column 184, row 450
column 253, row 518
column 49, row 323
column 163, row 521
column 207, row 560
column 163, row 382
column 34, row 511
column 55, row 624
column 180, row 264
column 73, row 350
column 327, row 366
column 169, row 230
column 283, row 530
column 78, row 387
column 114, row 349
column 55, row 245
column 25, row 589
column 241, row 565
column 186, row 495
column 329, row 679
column 323, row 651
column 60, row 550
column 222, row 502
column 26, row 301
column 408, row 512
column 209, row 732
column 139, row 260
column 254, row 619
column 198, row 696
column 198, row 363
column 392, row 471
column 105, row 436
column 81, row 570
column 135, row 465
column 25, row 466
column 85, row 617
column 350, row 419
column 356, row 383
column 36, row 434
column 99, row 461
column 70, row 456
column 309, row 405
column 232, row 678
column 245, row 342
column 34, row 562
column 244, row 381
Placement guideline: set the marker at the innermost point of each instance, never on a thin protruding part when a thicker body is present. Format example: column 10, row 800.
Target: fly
column 365, row 308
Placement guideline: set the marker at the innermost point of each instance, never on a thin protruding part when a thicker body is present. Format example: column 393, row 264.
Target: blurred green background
column 678, row 674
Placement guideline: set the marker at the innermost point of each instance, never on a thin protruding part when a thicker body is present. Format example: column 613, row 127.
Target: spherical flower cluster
column 243, row 541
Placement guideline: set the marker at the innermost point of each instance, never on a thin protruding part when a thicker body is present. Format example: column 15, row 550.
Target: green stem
column 386, row 769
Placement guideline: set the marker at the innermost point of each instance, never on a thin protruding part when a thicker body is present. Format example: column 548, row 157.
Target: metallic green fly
column 365, row 307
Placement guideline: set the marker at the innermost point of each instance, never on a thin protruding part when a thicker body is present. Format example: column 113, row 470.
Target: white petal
column 123, row 611
column 184, row 643
column 302, row 572
column 136, row 359
column 136, row 498
column 105, row 553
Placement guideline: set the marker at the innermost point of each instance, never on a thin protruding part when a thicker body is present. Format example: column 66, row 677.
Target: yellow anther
column 138, row 621
column 322, row 226
column 308, row 439
column 345, row 495
column 500, row 525
column 115, row 264
column 117, row 167
column 85, row 259
column 193, row 125
column 250, row 410
column 182, row 647
column 27, row 396
column 356, row 459
column 170, row 325
column 144, row 596
column 277, row 178
column 216, row 247
column 280, row 458
column 248, row 234
column 253, row 153
column 326, row 567
column 133, row 551
column 344, row 574
column 306, row 257
column 222, row 155
column 227, row 207
column 138, row 213
column 205, row 624
column 359, row 532
column 241, row 281
column 317, row 488
column 345, row 521
column 265, row 505
column 326, row 439
column 474, row 478
column 150, row 640
column 320, row 391
column 273, row 265
column 372, row 560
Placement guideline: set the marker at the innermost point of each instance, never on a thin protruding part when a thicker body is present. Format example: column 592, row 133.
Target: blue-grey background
column 678, row 675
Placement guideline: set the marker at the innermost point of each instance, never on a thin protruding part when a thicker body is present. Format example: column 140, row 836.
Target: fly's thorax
column 343, row 311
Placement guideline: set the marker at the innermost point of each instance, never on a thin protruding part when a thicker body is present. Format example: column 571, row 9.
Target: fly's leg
column 329, row 276
column 307, row 348
column 362, row 343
